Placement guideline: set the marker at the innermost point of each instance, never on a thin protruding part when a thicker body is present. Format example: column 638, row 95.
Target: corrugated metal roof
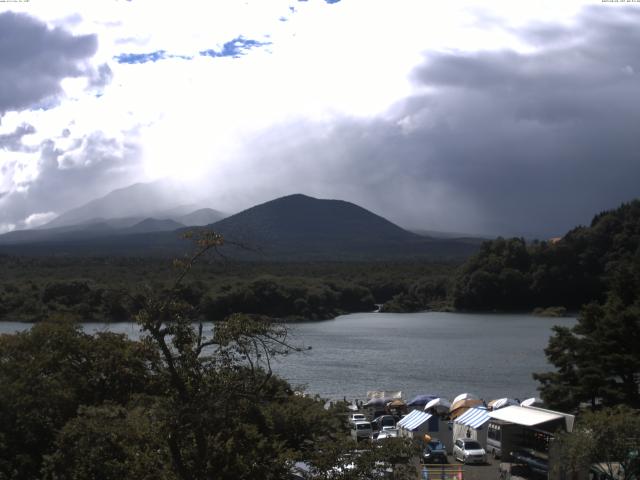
column 474, row 417
column 524, row 415
column 414, row 420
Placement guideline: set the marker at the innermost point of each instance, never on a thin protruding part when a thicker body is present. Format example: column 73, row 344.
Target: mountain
column 203, row 216
column 299, row 218
column 99, row 227
column 160, row 199
column 94, row 229
column 152, row 225
column 302, row 227
column 296, row 227
column 440, row 234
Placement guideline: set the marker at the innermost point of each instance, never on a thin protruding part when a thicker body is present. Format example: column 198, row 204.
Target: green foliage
column 607, row 441
column 424, row 293
column 105, row 289
column 47, row 373
column 598, row 360
column 508, row 274
column 284, row 297
column 109, row 442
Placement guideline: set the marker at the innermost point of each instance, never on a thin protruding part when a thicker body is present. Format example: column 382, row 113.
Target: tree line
column 511, row 274
column 104, row 289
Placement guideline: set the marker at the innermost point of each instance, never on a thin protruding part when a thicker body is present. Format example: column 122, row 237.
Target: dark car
column 435, row 452
column 383, row 421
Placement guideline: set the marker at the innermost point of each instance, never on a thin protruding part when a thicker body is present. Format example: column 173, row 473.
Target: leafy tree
column 606, row 440
column 508, row 274
column 223, row 413
column 598, row 360
column 109, row 442
column 46, row 374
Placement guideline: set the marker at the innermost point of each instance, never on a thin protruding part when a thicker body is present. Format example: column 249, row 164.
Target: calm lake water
column 438, row 353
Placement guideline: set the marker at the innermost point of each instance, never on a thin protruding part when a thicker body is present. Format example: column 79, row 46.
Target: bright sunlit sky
column 487, row 117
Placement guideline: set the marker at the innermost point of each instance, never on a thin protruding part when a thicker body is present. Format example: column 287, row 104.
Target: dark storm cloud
column 541, row 140
column 35, row 58
column 503, row 143
column 97, row 165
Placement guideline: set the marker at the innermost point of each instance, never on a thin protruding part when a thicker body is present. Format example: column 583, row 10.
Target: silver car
column 467, row 450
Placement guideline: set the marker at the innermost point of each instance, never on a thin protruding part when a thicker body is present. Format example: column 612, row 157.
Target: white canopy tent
column 501, row 403
column 438, row 405
column 531, row 416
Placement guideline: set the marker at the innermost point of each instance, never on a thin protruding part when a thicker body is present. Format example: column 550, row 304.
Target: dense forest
column 105, row 289
column 509, row 274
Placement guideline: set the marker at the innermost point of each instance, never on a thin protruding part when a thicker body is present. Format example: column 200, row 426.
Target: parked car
column 357, row 417
column 383, row 421
column 467, row 450
column 360, row 430
column 387, row 432
column 435, row 452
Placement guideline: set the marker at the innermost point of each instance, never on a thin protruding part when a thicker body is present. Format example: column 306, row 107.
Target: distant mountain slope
column 296, row 227
column 203, row 216
column 152, row 225
column 90, row 231
column 137, row 200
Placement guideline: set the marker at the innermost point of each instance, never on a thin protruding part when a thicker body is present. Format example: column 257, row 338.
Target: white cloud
column 37, row 219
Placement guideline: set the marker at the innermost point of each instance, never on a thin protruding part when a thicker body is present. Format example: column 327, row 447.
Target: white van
column 360, row 430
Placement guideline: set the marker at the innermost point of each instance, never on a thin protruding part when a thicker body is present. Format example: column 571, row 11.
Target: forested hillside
column 104, row 289
column 509, row 274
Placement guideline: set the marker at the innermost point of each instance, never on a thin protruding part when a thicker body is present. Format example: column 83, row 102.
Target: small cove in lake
column 491, row 355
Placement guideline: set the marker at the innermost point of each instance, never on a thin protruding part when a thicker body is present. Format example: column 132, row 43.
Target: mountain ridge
column 136, row 200
column 295, row 228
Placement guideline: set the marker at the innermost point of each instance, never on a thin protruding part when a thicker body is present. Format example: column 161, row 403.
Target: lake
column 491, row 355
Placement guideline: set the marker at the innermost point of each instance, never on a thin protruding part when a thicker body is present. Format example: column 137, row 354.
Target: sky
column 482, row 117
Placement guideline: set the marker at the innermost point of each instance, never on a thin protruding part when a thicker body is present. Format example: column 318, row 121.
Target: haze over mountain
column 295, row 227
column 138, row 208
column 160, row 199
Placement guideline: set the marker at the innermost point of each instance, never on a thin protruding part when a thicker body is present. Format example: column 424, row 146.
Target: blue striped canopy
column 474, row 417
column 412, row 421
